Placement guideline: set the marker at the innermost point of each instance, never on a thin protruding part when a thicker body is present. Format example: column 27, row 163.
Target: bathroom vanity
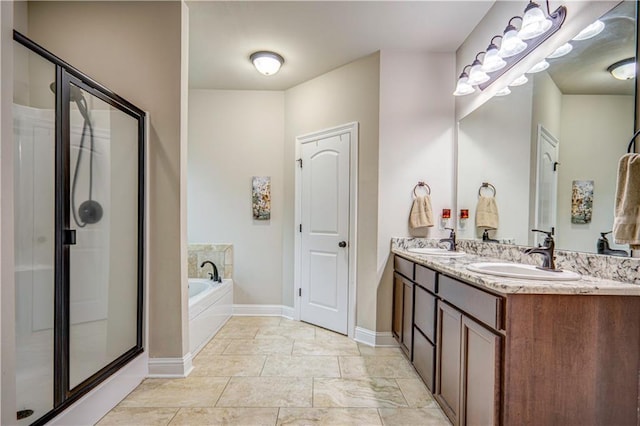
column 509, row 351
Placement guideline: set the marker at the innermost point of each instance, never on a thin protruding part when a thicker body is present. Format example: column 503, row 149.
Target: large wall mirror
column 554, row 143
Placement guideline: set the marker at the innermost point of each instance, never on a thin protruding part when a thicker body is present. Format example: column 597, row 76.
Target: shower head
column 75, row 93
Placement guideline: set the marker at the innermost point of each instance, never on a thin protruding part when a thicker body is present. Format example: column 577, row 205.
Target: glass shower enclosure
column 79, row 232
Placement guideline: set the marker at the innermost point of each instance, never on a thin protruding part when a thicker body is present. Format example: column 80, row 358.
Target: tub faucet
column 451, row 240
column 546, row 250
column 213, row 276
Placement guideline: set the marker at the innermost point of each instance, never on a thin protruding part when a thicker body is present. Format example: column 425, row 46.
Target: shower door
column 79, row 208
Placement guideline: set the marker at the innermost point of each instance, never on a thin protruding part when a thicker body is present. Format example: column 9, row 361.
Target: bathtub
column 210, row 306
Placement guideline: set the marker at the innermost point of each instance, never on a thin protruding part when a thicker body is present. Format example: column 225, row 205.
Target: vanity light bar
column 556, row 20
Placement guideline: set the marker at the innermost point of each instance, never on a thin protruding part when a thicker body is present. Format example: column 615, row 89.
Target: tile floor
column 273, row 371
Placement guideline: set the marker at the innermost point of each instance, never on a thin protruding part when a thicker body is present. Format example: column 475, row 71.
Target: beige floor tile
column 416, row 393
column 189, row 392
column 138, row 416
column 215, row 347
column 325, row 347
column 301, row 366
column 267, row 392
column 259, row 347
column 226, row 416
column 367, row 350
column 287, row 332
column 413, row 417
column 329, row 416
column 229, row 365
column 374, row 392
column 254, row 321
column 237, row 332
column 376, row 366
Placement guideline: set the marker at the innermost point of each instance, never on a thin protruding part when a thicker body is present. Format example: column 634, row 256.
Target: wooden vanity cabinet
column 402, row 327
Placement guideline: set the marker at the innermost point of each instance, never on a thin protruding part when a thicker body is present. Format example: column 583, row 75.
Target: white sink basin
column 519, row 270
column 434, row 251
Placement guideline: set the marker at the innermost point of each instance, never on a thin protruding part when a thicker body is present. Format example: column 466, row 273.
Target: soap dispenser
column 603, row 247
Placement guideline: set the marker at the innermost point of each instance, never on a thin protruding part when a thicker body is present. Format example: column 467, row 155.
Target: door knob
column 342, row 244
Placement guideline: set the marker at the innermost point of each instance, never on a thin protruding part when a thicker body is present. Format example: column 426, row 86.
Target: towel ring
column 632, row 143
column 486, row 185
column 421, row 185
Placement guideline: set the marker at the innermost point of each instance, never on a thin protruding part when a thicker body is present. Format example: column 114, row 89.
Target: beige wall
column 134, row 48
column 349, row 93
column 234, row 135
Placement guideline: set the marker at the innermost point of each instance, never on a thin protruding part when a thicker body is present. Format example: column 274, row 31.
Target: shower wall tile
column 220, row 254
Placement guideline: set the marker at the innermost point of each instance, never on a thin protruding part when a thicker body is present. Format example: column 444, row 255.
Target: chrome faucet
column 212, row 276
column 451, row 240
column 546, row 250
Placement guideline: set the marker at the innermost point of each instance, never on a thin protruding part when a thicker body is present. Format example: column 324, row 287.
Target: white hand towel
column 421, row 214
column 487, row 213
column 626, row 222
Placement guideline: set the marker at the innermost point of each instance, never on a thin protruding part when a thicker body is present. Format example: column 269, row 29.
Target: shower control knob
column 342, row 244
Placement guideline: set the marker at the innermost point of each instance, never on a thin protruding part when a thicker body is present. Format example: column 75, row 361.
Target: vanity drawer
column 424, row 358
column 483, row 306
column 403, row 266
column 424, row 315
column 426, row 278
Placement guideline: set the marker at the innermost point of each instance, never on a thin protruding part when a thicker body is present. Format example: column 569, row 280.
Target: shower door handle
column 69, row 237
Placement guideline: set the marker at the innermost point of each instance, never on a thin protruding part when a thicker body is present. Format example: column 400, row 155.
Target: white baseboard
column 288, row 312
column 263, row 310
column 373, row 338
column 171, row 368
column 93, row 406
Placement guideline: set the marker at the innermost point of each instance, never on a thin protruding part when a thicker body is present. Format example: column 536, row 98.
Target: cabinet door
column 424, row 316
column 423, row 358
column 480, row 384
column 396, row 326
column 407, row 317
column 448, row 360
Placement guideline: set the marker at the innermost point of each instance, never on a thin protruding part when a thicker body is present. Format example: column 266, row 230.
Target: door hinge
column 299, row 160
column 300, row 228
column 300, row 292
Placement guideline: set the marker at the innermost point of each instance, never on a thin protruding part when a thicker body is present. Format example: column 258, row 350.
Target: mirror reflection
column 550, row 148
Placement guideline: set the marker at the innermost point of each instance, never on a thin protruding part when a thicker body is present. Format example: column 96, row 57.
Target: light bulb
column 591, row 30
column 519, row 81
column 561, row 51
column 540, row 66
column 534, row 23
column 511, row 43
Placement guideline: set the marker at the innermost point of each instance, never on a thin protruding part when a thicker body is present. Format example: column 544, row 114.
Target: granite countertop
column 457, row 268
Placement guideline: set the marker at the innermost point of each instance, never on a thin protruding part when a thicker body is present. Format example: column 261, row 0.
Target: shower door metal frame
column 63, row 395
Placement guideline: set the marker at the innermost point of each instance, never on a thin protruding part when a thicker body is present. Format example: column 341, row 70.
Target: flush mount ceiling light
column 540, row 66
column 519, row 81
column 561, row 51
column 624, row 70
column 534, row 23
column 267, row 63
column 492, row 60
column 463, row 87
column 591, row 30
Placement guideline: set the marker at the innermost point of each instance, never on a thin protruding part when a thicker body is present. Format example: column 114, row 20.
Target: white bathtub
column 210, row 306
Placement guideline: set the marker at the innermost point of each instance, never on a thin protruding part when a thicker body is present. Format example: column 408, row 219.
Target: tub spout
column 213, row 276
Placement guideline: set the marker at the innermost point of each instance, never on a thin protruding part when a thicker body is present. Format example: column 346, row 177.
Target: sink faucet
column 486, row 238
column 213, row 276
column 546, row 250
column 451, row 240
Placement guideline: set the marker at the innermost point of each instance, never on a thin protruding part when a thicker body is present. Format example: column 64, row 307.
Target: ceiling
column 584, row 70
column 315, row 37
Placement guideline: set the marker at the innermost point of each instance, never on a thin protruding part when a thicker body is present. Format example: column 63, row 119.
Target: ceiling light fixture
column 536, row 27
column 492, row 60
column 540, row 66
column 561, row 51
column 534, row 23
column 591, row 30
column 519, row 81
column 463, row 87
column 624, row 70
column 267, row 63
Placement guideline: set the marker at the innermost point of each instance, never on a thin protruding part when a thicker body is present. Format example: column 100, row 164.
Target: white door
column 324, row 208
column 547, row 182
